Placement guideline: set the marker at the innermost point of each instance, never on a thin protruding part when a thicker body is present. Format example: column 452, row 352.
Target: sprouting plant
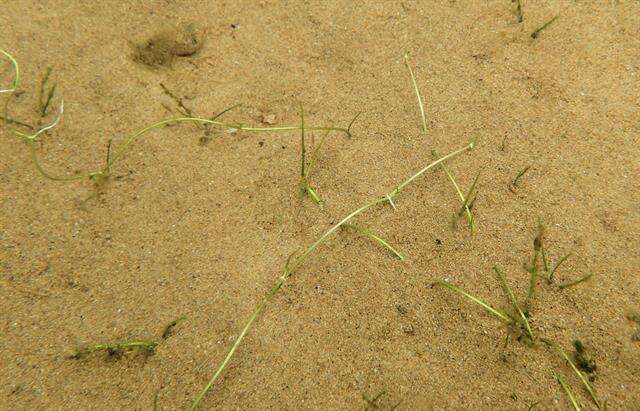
column 520, row 319
column 517, row 318
column 305, row 168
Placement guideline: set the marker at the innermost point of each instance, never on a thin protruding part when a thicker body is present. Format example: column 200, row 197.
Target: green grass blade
column 415, row 87
column 555, row 267
column 16, row 68
column 576, row 282
column 402, row 185
column 374, row 237
column 465, row 200
column 567, row 390
column 514, row 302
column 501, row 315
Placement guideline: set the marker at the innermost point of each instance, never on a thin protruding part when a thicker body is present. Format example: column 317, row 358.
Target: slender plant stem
column 292, row 266
column 415, row 87
column 576, row 282
column 555, row 267
column 502, row 316
column 575, row 369
column 373, row 236
column 16, row 69
column 567, row 390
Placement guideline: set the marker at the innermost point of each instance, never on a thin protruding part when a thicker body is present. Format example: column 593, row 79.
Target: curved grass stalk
column 121, row 150
column 555, row 267
column 292, row 266
column 16, row 69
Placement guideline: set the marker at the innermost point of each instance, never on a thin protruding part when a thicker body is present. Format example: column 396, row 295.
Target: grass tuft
column 502, row 280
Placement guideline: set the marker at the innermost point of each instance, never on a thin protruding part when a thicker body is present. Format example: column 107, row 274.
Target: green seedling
column 305, row 169
column 148, row 347
column 583, row 380
column 374, row 237
column 45, row 97
column 168, row 329
column 293, row 264
column 534, row 267
column 537, row 31
column 567, row 390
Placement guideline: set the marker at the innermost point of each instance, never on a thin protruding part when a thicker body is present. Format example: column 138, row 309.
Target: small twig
column 514, row 183
column 536, row 32
column 168, row 329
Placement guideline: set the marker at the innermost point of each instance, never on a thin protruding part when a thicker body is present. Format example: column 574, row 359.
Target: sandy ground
column 203, row 231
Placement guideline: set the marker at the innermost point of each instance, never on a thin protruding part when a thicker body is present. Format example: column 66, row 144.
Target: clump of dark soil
column 162, row 48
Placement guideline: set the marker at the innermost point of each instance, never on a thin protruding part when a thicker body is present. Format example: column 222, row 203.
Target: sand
column 203, row 230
